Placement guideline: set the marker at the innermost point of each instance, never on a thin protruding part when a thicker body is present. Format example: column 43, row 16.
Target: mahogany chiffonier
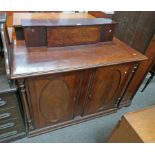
column 67, row 81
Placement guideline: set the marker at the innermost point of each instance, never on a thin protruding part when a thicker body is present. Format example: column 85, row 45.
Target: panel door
column 105, row 88
column 53, row 98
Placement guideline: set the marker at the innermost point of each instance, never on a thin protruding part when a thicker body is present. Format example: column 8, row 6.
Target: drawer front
column 107, row 32
column 9, row 113
column 63, row 36
column 8, row 100
column 35, row 36
column 11, row 125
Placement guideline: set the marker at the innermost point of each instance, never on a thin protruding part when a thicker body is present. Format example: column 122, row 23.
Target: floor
column 96, row 130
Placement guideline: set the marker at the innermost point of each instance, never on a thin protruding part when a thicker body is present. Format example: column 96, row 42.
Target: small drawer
column 9, row 113
column 107, row 32
column 72, row 35
column 11, row 130
column 10, row 125
column 35, row 36
column 8, row 100
column 9, row 134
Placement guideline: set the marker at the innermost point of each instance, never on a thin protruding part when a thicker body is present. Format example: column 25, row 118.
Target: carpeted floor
column 96, row 130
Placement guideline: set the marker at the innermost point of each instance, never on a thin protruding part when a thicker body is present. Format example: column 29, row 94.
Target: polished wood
column 107, row 83
column 35, row 36
column 66, row 22
column 59, row 99
column 29, row 62
column 74, row 121
column 42, row 112
column 64, row 32
column 53, row 98
column 100, row 14
column 22, row 91
column 60, row 86
column 135, row 127
column 72, row 35
column 140, row 74
column 17, row 17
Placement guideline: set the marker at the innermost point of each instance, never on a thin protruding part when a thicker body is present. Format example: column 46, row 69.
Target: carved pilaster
column 21, row 86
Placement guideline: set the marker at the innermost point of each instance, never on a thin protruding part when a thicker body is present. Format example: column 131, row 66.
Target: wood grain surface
column 39, row 61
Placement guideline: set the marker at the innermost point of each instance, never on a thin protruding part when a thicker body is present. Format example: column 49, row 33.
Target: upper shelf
column 17, row 17
column 66, row 32
column 66, row 22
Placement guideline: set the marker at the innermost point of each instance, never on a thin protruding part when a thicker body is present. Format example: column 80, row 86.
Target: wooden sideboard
column 61, row 86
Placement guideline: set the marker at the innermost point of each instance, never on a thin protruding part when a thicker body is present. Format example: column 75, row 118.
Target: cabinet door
column 53, row 98
column 105, row 88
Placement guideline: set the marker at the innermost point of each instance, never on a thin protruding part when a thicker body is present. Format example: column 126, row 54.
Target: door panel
column 107, row 83
column 53, row 98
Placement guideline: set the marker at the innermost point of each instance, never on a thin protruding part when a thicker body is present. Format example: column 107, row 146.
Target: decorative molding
column 22, row 90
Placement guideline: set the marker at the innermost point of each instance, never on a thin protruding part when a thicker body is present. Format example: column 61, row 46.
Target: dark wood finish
column 70, row 122
column 153, row 67
column 22, row 91
column 17, row 17
column 53, row 98
column 140, row 74
column 35, row 36
column 40, row 61
column 107, row 32
column 67, row 32
column 107, row 83
column 52, row 61
column 60, row 86
column 72, row 35
column 100, row 14
column 66, row 22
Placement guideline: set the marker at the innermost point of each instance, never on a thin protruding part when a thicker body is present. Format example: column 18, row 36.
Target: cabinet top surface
column 36, row 61
column 17, row 17
column 66, row 22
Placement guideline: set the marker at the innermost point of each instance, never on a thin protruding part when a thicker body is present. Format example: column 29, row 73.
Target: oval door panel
column 55, row 100
column 109, row 88
column 105, row 86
